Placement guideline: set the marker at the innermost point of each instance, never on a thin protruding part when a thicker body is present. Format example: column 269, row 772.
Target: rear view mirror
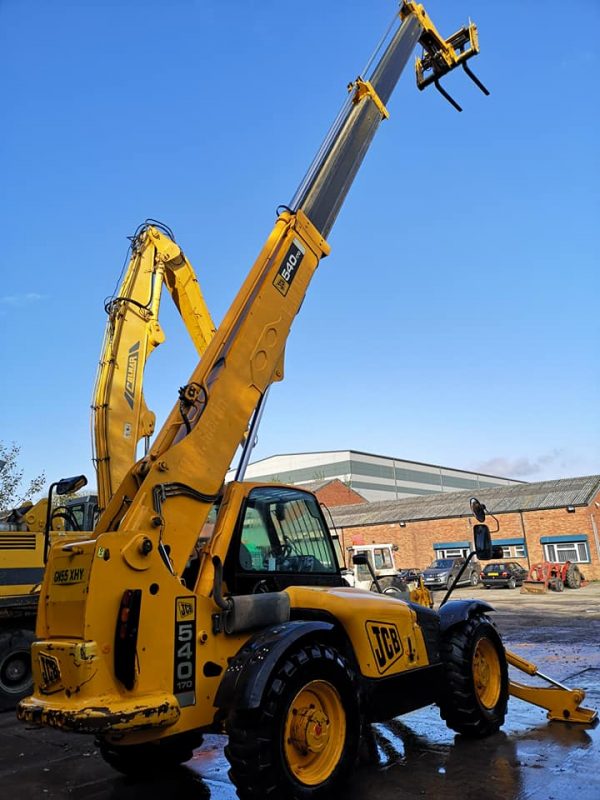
column 70, row 485
column 360, row 559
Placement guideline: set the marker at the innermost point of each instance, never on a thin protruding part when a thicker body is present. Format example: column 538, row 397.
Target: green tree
column 12, row 490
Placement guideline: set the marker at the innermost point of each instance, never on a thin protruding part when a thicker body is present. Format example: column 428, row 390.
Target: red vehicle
column 552, row 575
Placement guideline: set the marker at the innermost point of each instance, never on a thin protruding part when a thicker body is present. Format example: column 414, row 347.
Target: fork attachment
column 561, row 703
column 441, row 56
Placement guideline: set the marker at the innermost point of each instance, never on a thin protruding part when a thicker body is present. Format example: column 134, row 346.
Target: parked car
column 503, row 573
column 440, row 574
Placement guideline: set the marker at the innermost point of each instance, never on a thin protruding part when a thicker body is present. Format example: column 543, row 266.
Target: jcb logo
column 185, row 609
column 386, row 644
column 289, row 266
column 50, row 670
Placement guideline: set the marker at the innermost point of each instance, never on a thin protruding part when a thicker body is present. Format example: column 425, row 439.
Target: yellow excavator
column 148, row 647
column 120, row 418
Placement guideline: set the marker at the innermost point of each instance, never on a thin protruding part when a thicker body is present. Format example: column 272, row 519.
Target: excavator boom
column 120, row 417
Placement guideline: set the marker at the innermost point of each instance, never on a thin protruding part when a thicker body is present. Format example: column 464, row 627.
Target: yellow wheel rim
column 487, row 675
column 314, row 733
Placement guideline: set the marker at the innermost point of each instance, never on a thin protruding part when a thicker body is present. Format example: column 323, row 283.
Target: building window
column 514, row 551
column 454, row 552
column 567, row 551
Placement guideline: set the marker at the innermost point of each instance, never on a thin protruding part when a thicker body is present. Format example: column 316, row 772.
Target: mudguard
column 459, row 611
column 246, row 677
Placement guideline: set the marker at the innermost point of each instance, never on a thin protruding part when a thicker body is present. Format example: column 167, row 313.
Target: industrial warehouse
column 375, row 477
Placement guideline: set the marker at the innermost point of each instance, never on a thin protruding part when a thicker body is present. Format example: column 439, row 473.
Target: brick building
column 550, row 520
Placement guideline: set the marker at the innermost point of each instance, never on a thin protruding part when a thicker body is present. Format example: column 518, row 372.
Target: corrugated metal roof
column 501, row 500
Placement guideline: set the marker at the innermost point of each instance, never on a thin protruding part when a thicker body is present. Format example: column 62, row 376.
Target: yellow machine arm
column 183, row 473
column 120, row 417
column 561, row 702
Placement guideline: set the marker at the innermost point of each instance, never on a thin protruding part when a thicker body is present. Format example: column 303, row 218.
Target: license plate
column 492, row 574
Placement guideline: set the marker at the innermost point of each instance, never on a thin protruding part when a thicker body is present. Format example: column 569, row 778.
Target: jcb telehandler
column 196, row 607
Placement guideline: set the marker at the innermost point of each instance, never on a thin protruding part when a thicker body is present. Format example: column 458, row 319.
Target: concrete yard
column 412, row 756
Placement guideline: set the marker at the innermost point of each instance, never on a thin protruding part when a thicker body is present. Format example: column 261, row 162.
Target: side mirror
column 360, row 559
column 478, row 509
column 70, row 485
column 485, row 550
column 483, row 542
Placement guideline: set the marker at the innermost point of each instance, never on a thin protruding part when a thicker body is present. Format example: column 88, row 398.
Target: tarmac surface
column 411, row 756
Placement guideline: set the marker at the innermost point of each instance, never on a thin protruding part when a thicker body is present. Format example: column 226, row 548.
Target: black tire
column 475, row 691
column 511, row 584
column 573, row 577
column 474, row 579
column 151, row 758
column 260, row 752
column 16, row 680
column 384, row 582
column 558, row 585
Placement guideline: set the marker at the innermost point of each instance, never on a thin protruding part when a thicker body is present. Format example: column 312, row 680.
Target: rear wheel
column 151, row 758
column 474, row 579
column 512, row 584
column 16, row 680
column 303, row 740
column 573, row 577
column 475, row 692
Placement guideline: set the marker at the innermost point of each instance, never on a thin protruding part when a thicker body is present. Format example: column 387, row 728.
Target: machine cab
column 280, row 535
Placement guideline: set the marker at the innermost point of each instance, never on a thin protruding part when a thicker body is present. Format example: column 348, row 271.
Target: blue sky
column 455, row 321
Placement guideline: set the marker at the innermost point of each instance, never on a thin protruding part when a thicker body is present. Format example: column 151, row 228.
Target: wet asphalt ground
column 411, row 756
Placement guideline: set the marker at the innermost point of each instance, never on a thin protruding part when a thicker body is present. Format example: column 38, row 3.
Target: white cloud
column 521, row 466
column 20, row 300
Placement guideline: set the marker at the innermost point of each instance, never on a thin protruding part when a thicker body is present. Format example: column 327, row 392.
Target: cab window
column 382, row 558
column 282, row 531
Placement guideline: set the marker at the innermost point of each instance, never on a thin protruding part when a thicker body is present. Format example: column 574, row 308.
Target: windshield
column 441, row 563
column 283, row 531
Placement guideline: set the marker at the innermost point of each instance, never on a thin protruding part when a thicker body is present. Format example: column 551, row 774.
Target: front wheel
column 475, row 692
column 303, row 740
